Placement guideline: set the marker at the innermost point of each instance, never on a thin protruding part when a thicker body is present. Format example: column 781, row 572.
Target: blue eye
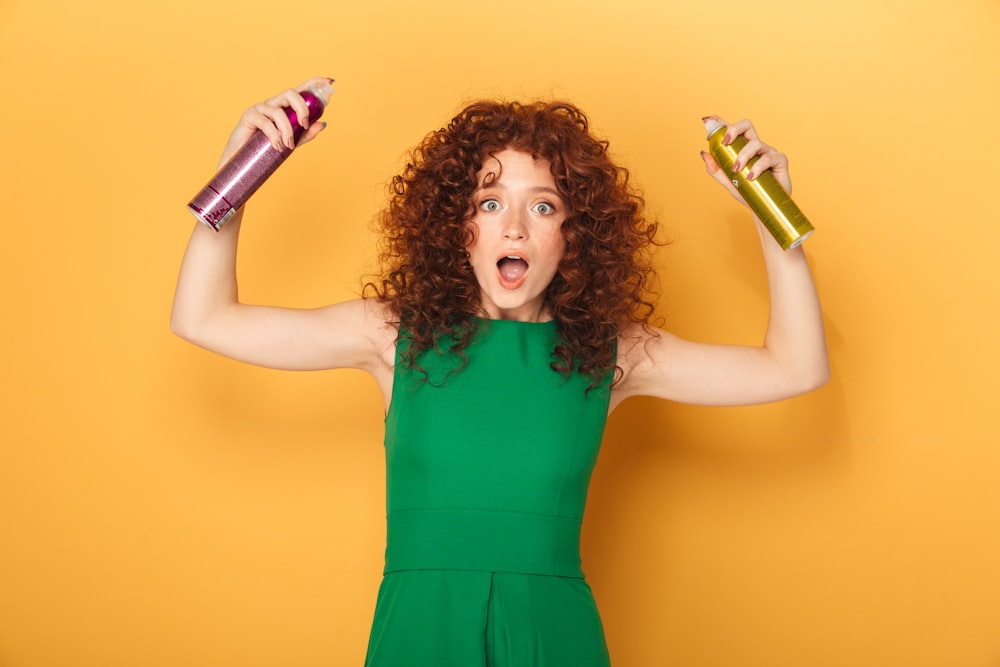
column 544, row 208
column 490, row 205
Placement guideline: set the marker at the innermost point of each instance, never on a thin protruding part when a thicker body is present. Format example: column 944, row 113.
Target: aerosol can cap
column 323, row 90
column 711, row 125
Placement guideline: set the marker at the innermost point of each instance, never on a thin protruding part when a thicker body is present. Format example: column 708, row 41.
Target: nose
column 514, row 227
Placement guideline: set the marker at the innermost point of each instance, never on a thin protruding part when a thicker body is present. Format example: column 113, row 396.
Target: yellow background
column 163, row 506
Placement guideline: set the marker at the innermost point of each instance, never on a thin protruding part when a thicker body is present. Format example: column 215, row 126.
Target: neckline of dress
column 513, row 322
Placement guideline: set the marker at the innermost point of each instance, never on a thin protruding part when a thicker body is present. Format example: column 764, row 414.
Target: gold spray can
column 764, row 195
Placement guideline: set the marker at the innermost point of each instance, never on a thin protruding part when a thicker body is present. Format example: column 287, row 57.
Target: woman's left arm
column 792, row 358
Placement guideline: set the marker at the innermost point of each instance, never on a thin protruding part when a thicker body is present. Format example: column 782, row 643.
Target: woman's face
column 517, row 235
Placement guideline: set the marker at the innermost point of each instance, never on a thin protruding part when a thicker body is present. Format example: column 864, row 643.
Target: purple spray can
column 251, row 165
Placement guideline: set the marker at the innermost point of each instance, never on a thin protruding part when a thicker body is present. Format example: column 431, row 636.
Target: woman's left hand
column 769, row 157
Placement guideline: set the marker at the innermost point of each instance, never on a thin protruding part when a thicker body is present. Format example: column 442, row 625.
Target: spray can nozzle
column 323, row 90
column 711, row 125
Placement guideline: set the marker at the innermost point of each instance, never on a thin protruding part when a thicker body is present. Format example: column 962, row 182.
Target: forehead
column 510, row 167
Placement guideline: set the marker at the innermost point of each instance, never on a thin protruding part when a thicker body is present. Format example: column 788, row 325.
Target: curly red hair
column 604, row 280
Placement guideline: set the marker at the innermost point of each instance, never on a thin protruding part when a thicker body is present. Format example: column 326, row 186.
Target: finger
column 302, row 110
column 272, row 120
column 711, row 166
column 744, row 128
column 292, row 99
column 771, row 159
column 777, row 164
column 316, row 80
column 312, row 131
column 255, row 118
column 716, row 172
column 274, row 109
column 299, row 106
column 747, row 153
column 718, row 119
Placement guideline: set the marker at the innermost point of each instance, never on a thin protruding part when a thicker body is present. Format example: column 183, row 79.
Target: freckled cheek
column 557, row 244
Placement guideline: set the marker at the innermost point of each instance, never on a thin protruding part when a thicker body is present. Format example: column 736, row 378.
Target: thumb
column 711, row 166
column 311, row 133
column 716, row 172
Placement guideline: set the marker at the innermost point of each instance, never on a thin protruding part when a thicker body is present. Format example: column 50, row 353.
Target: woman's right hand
column 269, row 117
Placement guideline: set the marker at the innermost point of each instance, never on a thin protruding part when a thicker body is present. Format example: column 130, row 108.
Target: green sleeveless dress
column 487, row 475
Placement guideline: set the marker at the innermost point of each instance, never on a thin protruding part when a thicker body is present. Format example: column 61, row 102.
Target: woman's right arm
column 207, row 310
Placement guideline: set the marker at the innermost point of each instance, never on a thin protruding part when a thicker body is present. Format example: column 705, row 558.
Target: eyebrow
column 533, row 190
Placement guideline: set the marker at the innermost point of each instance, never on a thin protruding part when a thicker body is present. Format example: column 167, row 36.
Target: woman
column 510, row 319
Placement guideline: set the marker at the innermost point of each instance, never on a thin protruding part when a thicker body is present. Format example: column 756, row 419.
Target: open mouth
column 512, row 270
